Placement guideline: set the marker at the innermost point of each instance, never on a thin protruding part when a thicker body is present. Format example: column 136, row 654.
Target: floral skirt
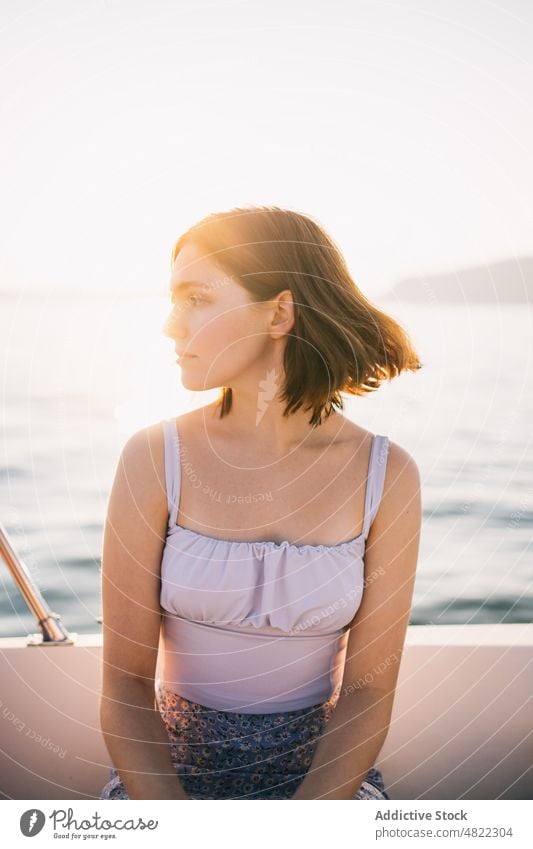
column 229, row 755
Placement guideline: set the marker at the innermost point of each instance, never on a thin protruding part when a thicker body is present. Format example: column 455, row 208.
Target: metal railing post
column 53, row 633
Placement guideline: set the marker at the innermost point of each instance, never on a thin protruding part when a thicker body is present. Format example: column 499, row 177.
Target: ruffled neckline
column 347, row 545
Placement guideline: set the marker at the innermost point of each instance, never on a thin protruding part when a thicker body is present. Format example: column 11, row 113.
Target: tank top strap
column 377, row 467
column 172, row 469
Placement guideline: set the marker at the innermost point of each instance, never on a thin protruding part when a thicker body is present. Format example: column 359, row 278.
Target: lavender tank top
column 257, row 627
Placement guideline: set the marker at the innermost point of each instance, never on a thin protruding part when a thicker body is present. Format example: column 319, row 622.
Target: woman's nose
column 170, row 327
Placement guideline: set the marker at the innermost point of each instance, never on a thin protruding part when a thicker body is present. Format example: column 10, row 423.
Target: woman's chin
column 191, row 383
column 196, row 384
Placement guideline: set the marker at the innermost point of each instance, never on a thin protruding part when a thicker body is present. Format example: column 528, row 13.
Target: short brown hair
column 340, row 341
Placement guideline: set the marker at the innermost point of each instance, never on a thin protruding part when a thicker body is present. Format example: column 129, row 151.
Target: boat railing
column 53, row 632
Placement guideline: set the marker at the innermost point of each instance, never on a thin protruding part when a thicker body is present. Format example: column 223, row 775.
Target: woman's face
column 215, row 322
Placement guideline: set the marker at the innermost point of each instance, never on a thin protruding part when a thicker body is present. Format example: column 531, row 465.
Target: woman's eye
column 192, row 299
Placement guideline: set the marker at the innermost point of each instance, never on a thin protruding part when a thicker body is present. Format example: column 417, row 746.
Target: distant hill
column 505, row 281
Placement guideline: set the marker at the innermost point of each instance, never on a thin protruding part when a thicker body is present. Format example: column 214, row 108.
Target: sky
column 404, row 128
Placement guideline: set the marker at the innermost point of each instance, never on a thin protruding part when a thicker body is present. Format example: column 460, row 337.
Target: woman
column 259, row 553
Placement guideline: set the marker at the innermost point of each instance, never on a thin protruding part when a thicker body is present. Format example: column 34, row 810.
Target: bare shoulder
column 402, row 469
column 400, row 506
column 145, row 449
column 402, row 475
column 140, row 473
column 140, row 443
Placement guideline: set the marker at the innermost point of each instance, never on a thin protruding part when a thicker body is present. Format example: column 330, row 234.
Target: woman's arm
column 134, row 538
column 359, row 724
column 137, row 741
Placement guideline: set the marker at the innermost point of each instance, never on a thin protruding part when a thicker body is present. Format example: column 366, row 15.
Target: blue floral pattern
column 230, row 755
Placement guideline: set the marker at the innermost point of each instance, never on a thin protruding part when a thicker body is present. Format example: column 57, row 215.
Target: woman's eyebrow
column 185, row 285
